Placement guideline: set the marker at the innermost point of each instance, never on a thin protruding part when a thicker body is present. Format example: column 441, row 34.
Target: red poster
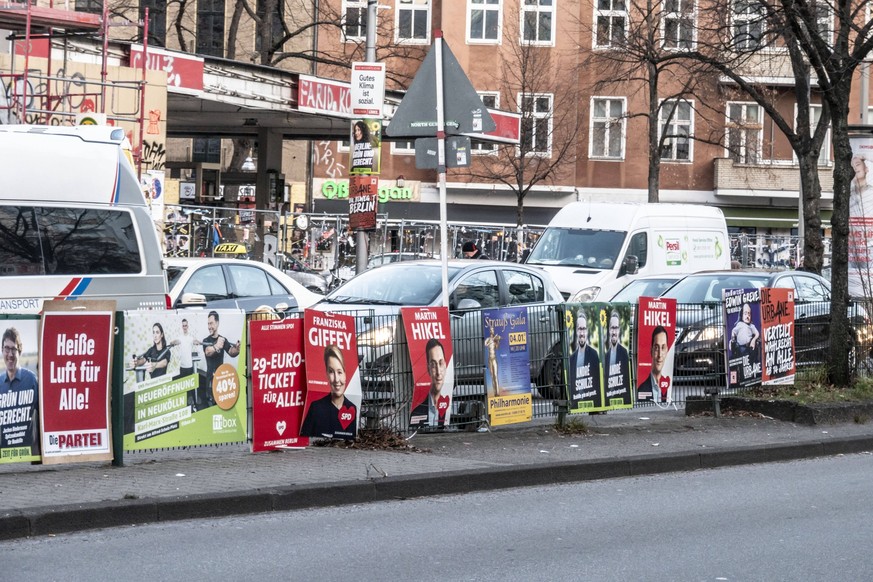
column 278, row 384
column 333, row 384
column 428, row 336
column 74, row 383
column 656, row 338
column 777, row 331
column 363, row 198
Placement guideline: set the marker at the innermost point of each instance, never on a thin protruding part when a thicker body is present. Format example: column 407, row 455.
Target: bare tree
column 637, row 54
column 541, row 83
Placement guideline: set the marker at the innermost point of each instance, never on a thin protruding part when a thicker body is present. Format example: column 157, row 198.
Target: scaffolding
column 53, row 100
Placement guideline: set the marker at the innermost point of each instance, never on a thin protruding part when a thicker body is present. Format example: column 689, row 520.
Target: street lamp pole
column 361, row 253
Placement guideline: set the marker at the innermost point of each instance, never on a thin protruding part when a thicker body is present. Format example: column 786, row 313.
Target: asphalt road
column 799, row 520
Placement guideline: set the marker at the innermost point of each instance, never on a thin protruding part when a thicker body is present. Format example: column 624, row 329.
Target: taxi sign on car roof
column 231, row 249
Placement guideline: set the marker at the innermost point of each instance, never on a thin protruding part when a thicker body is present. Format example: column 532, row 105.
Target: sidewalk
column 228, row 480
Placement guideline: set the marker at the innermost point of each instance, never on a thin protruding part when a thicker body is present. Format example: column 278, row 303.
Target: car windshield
column 578, row 247
column 708, row 288
column 401, row 285
column 173, row 274
column 643, row 288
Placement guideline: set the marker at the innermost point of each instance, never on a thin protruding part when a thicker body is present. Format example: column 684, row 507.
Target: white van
column 592, row 250
column 73, row 221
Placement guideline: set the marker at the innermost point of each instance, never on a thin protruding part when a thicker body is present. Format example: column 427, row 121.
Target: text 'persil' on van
column 74, row 223
column 593, row 249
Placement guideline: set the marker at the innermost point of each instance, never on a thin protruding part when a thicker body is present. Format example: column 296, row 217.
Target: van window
column 67, row 241
column 639, row 246
column 577, row 247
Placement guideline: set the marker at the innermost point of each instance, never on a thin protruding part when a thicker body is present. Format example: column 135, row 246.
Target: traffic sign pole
column 441, row 165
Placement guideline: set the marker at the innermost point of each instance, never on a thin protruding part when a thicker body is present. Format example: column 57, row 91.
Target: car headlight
column 585, row 295
column 378, row 337
column 707, row 334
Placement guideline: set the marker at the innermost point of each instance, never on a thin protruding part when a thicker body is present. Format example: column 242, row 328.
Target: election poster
column 584, row 370
column 19, row 392
column 861, row 219
column 278, row 384
column 507, row 365
column 365, row 154
column 74, row 380
column 656, row 338
column 777, row 332
column 742, row 317
column 333, row 381
column 614, row 356
column 184, row 378
column 429, row 341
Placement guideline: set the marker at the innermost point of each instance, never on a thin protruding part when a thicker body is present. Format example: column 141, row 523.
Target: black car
column 699, row 351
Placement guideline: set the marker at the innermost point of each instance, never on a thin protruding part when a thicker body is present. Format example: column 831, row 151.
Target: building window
column 676, row 123
column 607, row 128
column 403, row 148
column 413, row 20
column 157, row 21
column 484, row 17
column 536, row 124
column 491, row 101
column 744, row 133
column 91, row 6
column 824, row 156
column 355, row 25
column 210, row 27
column 277, row 32
column 824, row 19
column 748, row 24
column 678, row 24
column 207, row 150
column 611, row 23
column 538, row 22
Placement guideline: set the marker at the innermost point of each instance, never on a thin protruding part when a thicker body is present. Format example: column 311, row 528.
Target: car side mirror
column 192, row 300
column 629, row 266
column 469, row 304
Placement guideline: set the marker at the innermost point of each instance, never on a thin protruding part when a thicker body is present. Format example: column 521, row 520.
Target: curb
column 69, row 518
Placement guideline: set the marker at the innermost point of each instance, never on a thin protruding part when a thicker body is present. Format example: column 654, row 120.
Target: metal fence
column 699, row 364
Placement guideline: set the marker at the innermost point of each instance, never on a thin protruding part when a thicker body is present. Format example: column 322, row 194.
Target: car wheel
column 551, row 380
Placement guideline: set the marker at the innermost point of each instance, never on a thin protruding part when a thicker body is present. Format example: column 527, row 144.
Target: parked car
column 700, row 323
column 645, row 287
column 377, row 295
column 231, row 283
column 394, row 257
column 307, row 277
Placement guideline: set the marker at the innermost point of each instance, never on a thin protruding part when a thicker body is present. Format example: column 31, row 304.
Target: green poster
column 185, row 378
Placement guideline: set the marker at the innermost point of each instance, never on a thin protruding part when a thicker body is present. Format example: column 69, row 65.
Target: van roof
column 622, row 215
column 67, row 164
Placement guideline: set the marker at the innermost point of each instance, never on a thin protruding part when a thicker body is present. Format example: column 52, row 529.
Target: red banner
column 278, row 384
column 656, row 338
column 363, row 202
column 777, row 331
column 333, row 385
column 74, row 383
column 428, row 335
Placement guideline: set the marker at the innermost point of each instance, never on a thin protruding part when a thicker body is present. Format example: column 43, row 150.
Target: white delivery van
column 74, row 223
column 592, row 250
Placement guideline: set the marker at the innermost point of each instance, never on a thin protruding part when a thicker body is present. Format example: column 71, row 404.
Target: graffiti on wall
column 329, row 160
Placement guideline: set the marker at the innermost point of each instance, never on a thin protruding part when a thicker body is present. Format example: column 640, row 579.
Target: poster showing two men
column 599, row 370
column 185, row 378
column 429, row 341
